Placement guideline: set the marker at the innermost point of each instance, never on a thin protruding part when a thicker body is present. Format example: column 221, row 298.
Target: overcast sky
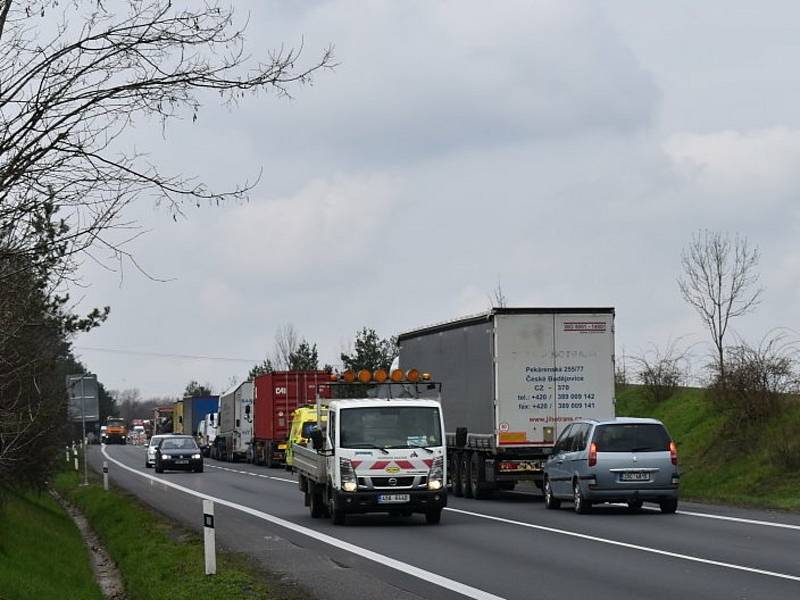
column 567, row 150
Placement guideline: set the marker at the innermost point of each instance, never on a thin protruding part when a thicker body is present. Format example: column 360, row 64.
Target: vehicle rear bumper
column 193, row 464
column 616, row 494
column 363, row 502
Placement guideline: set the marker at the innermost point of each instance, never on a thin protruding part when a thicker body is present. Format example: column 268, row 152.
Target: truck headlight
column 348, row 475
column 195, row 456
column 436, row 474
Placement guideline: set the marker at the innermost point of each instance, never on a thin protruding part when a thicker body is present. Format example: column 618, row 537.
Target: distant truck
column 162, row 420
column 207, row 433
column 382, row 450
column 513, row 378
column 304, row 421
column 235, row 434
column 116, row 432
column 190, row 411
column 276, row 396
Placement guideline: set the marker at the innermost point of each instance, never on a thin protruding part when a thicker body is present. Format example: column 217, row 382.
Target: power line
column 166, row 355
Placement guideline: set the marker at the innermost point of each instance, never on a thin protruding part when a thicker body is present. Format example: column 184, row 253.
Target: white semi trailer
column 235, row 432
column 513, row 378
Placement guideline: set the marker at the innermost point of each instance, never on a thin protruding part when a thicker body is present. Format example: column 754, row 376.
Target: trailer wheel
column 465, row 474
column 477, row 485
column 454, row 472
column 268, row 455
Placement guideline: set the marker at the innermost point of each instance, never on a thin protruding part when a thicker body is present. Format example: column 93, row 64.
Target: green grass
column 156, row 558
column 42, row 554
column 718, row 463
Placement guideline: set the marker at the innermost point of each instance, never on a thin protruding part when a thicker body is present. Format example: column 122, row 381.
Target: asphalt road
column 508, row 547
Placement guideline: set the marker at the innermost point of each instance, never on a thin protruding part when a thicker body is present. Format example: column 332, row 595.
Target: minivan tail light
column 673, row 453
column 592, row 454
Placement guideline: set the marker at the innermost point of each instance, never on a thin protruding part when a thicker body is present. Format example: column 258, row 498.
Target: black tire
column 464, row 474
column 159, row 469
column 550, row 501
column 454, row 473
column 582, row 506
column 635, row 505
column 477, row 486
column 199, row 470
column 268, row 456
column 316, row 505
column 338, row 516
column 669, row 506
column 432, row 517
column 147, row 465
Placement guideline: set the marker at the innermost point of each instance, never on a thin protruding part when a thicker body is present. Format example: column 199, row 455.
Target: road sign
column 83, row 402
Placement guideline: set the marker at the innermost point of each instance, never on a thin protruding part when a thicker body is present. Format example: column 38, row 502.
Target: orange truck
column 116, row 432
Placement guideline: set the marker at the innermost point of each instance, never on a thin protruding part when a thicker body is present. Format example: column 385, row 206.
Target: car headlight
column 195, row 456
column 165, row 457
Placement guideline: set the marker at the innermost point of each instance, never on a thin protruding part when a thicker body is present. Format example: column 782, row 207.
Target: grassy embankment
column 158, row 559
column 42, row 554
column 719, row 463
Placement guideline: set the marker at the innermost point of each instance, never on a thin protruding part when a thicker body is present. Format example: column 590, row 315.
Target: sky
column 566, row 150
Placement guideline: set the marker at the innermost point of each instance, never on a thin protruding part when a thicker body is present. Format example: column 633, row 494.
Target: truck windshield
column 390, row 427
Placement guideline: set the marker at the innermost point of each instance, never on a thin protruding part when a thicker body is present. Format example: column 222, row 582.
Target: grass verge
column 716, row 465
column 157, row 559
column 42, row 554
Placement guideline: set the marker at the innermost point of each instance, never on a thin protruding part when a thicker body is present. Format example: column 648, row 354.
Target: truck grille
column 385, row 481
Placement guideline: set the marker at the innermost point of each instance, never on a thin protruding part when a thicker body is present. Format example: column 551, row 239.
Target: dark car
column 178, row 452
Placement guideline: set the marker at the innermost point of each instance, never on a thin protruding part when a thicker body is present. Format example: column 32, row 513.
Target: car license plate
column 181, row 461
column 393, row 498
column 635, row 476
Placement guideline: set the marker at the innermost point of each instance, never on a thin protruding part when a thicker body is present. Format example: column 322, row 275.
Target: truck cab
column 304, row 421
column 381, row 453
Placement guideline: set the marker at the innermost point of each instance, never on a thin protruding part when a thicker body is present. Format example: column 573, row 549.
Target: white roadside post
column 105, row 475
column 209, row 538
column 67, row 454
column 75, row 454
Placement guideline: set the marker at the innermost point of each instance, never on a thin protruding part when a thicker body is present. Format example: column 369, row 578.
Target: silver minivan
column 622, row 460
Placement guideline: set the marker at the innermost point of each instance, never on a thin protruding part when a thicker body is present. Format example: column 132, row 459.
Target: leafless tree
column 287, row 341
column 74, row 77
column 720, row 281
column 497, row 299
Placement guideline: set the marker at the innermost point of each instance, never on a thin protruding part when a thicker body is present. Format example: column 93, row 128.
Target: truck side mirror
column 316, row 439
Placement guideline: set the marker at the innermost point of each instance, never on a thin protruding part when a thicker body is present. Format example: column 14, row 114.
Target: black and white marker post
column 105, row 475
column 209, row 537
column 75, row 453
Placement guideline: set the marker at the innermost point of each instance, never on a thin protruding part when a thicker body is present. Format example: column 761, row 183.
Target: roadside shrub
column 662, row 371
column 757, row 381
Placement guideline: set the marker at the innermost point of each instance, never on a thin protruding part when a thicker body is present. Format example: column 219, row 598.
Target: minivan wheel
column 669, row 506
column 550, row 501
column 582, row 506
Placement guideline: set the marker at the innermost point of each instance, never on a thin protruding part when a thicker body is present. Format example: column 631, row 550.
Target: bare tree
column 720, row 282
column 286, row 342
column 72, row 80
column 497, row 299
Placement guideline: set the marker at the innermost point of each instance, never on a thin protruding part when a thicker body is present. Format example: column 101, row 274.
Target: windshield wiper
column 367, row 445
column 413, row 446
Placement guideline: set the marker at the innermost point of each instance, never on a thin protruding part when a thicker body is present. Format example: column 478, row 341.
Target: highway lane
column 512, row 547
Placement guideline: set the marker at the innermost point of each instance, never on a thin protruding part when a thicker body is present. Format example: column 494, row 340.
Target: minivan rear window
column 631, row 437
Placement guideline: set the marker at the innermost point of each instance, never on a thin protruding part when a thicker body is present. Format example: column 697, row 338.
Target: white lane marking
column 253, row 474
column 699, row 514
column 627, row 545
column 428, row 576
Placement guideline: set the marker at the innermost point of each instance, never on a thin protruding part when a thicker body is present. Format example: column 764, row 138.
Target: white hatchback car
column 150, row 459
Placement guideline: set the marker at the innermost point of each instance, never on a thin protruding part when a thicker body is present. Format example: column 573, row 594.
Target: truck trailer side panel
column 461, row 358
